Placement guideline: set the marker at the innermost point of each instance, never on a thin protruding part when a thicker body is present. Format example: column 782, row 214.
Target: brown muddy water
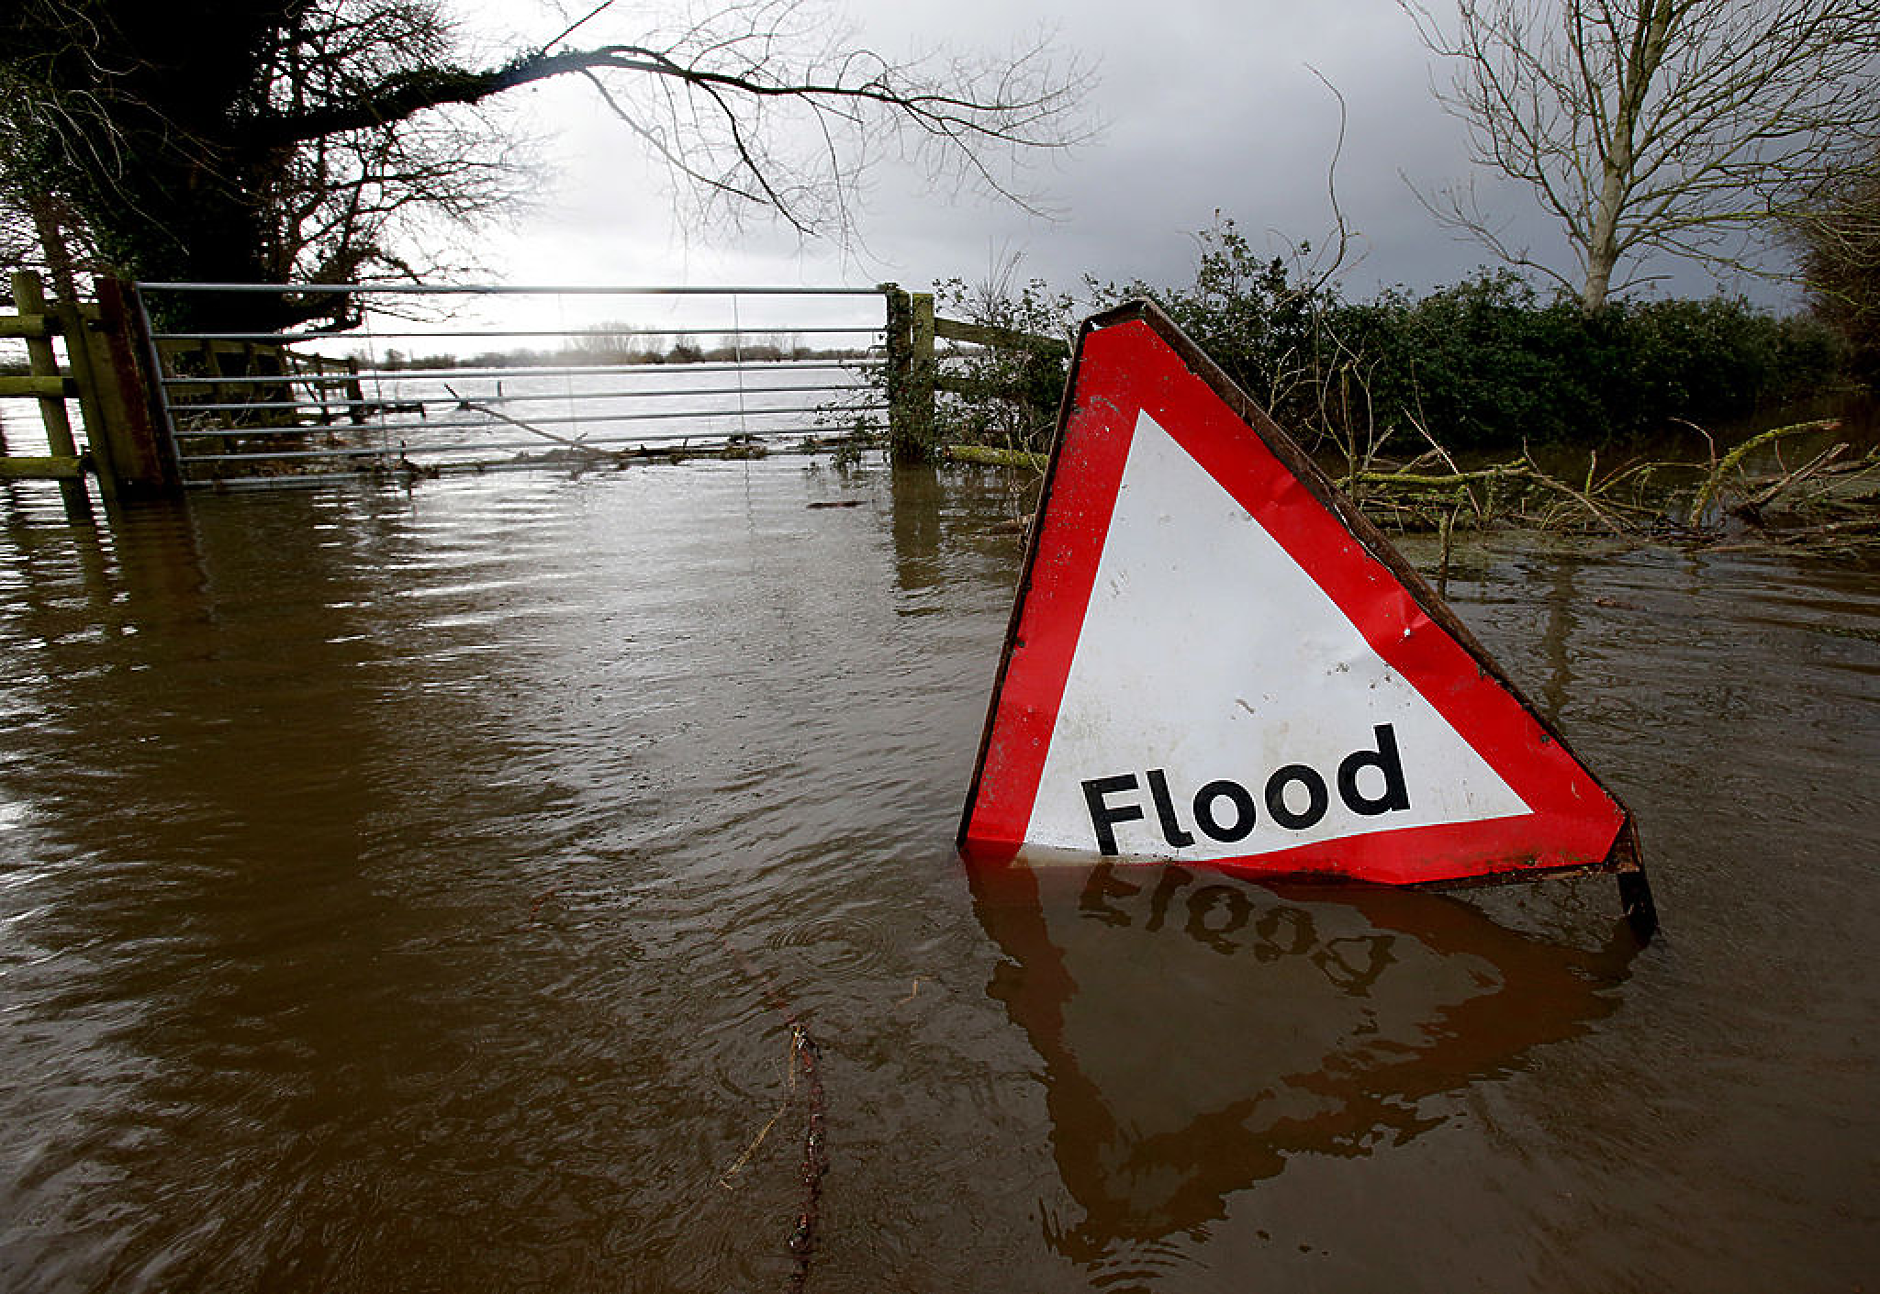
column 413, row 892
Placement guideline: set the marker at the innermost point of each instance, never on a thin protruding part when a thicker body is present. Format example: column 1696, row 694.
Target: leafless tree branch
column 1667, row 125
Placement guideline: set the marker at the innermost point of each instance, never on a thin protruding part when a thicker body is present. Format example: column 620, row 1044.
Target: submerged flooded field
column 419, row 891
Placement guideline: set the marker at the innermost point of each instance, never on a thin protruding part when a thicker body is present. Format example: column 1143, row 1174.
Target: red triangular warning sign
column 1214, row 658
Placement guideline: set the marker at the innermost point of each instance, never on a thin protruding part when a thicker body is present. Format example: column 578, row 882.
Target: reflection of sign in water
column 1197, row 1030
column 1215, row 659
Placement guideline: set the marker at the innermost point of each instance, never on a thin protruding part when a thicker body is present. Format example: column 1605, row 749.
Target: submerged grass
column 1826, row 498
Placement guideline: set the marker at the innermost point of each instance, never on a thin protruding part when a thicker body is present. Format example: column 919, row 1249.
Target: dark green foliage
column 1259, row 320
column 1008, row 395
column 1486, row 362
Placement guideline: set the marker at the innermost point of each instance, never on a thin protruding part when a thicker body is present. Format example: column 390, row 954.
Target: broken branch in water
column 520, row 425
column 1639, row 500
column 1707, row 492
column 1750, row 509
column 1636, row 500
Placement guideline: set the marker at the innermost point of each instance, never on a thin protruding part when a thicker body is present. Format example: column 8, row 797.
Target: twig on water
column 790, row 1072
column 805, row 1058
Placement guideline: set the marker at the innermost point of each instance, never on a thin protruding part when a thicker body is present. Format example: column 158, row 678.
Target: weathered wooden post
column 896, row 338
column 910, row 374
column 126, row 392
column 920, row 377
column 355, row 393
column 50, row 386
column 81, row 356
column 112, row 384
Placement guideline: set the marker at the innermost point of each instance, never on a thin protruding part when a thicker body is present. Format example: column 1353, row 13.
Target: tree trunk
column 1602, row 249
column 1619, row 150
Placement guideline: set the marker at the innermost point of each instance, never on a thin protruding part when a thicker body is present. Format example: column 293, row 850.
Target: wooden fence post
column 29, row 297
column 895, row 334
column 910, row 335
column 126, row 392
column 81, row 356
column 922, row 369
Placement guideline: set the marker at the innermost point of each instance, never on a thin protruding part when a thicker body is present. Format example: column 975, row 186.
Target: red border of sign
column 1135, row 359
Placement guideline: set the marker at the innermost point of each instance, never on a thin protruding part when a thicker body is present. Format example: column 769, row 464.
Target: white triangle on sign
column 1165, row 709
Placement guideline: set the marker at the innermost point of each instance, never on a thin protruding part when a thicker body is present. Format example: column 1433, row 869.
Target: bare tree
column 349, row 203
column 1838, row 234
column 1674, row 126
column 268, row 140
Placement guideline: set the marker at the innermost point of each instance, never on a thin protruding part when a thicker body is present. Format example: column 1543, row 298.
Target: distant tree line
column 614, row 345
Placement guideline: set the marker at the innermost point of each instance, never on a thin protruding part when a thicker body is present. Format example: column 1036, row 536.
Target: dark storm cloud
column 1204, row 106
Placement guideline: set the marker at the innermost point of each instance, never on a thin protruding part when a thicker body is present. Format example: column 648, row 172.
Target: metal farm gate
column 449, row 378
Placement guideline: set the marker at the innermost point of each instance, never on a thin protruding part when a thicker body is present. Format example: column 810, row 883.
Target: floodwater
column 408, row 892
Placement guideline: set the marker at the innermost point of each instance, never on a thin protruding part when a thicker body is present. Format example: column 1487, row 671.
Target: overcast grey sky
column 1204, row 105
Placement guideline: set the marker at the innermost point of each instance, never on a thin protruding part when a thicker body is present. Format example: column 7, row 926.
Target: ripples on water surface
column 394, row 891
